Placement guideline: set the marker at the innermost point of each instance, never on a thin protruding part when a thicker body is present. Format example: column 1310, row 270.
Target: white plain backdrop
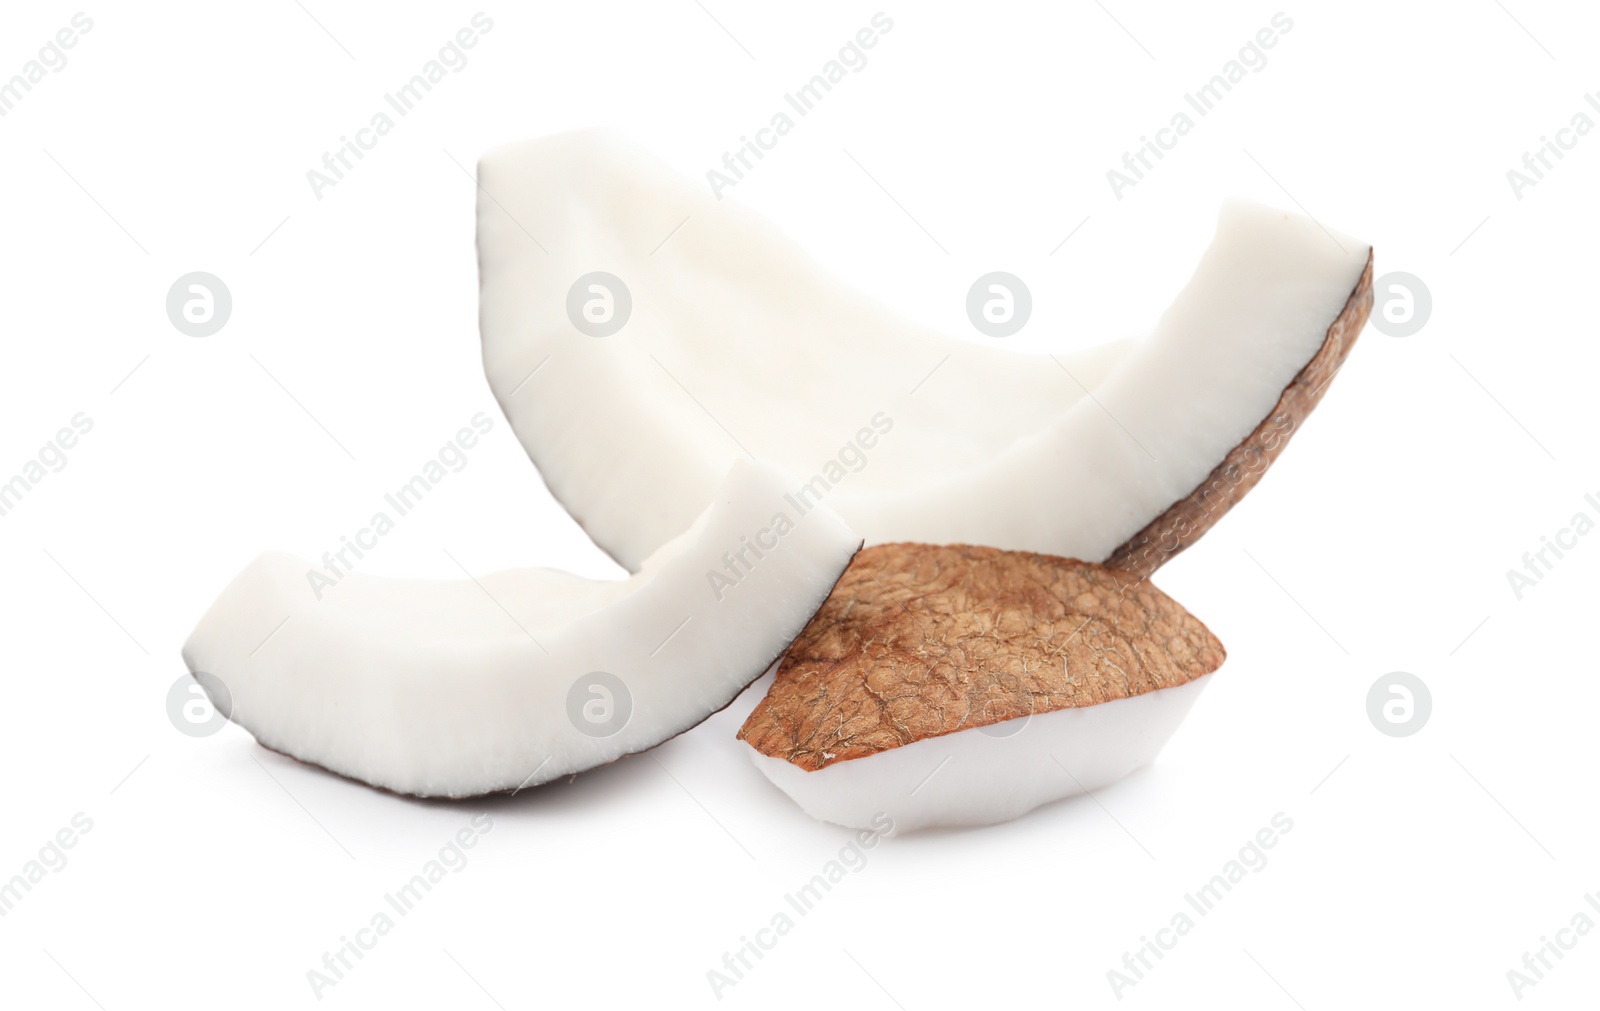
column 177, row 138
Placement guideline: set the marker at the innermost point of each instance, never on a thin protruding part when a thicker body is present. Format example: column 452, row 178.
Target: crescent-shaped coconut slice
column 461, row 688
column 967, row 686
column 641, row 334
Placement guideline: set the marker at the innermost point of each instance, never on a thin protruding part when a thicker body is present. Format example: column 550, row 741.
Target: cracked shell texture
column 921, row 640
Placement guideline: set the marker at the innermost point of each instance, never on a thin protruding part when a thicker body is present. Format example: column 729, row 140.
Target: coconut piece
column 1183, row 523
column 967, row 685
column 716, row 332
column 466, row 687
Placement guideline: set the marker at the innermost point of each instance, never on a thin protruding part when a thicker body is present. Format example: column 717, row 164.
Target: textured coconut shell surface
column 1185, row 520
column 919, row 640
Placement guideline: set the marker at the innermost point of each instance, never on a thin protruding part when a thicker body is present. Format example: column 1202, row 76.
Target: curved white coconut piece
column 738, row 342
column 990, row 774
column 460, row 688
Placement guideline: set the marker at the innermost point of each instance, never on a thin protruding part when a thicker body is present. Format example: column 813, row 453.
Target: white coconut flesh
column 738, row 342
column 460, row 688
column 992, row 774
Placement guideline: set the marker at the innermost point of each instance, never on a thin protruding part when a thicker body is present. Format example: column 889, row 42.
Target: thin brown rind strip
column 1187, row 519
column 919, row 640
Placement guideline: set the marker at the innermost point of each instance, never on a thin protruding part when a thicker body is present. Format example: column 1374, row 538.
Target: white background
column 177, row 138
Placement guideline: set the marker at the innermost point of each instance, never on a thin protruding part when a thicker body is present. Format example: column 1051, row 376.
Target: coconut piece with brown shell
column 963, row 685
column 634, row 369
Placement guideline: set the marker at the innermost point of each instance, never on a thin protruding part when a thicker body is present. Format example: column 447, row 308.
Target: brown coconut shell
column 918, row 640
column 1188, row 518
